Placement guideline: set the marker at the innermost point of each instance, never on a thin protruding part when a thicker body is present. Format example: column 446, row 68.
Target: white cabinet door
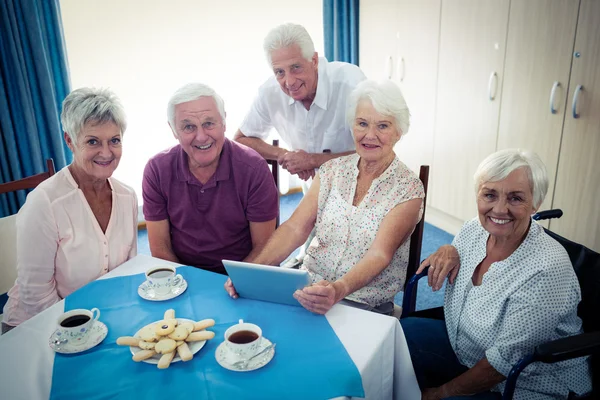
column 377, row 38
column 541, row 35
column 577, row 190
column 472, row 48
column 416, row 73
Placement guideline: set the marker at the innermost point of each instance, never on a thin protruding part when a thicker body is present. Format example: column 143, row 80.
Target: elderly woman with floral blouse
column 80, row 223
column 515, row 289
column 364, row 207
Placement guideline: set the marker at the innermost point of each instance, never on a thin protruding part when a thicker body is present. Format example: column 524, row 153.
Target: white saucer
column 96, row 335
column 147, row 293
column 226, row 358
column 194, row 346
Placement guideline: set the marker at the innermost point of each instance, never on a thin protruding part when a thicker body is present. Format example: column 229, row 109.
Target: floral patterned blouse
column 345, row 232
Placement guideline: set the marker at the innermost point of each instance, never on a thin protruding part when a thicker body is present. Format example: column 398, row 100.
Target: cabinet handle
column 578, row 90
column 401, row 69
column 389, row 66
column 552, row 95
column 493, row 78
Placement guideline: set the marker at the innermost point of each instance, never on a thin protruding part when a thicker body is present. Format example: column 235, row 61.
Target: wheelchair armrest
column 409, row 301
column 567, row 348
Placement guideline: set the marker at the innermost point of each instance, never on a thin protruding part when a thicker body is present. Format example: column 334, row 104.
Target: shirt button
column 105, row 243
column 106, row 256
column 202, row 191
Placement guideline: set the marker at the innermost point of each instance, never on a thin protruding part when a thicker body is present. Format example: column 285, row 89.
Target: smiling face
column 505, row 207
column 200, row 131
column 98, row 150
column 374, row 134
column 296, row 75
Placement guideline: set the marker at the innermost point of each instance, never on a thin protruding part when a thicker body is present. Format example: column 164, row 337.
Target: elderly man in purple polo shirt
column 208, row 198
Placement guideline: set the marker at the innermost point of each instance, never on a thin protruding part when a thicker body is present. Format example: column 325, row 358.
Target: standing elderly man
column 305, row 101
column 208, row 198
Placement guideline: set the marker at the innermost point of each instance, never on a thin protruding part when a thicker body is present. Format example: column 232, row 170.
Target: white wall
column 145, row 49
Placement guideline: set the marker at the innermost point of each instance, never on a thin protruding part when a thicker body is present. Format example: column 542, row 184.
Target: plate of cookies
column 168, row 340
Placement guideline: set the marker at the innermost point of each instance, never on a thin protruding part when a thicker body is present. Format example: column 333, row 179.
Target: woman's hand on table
column 445, row 262
column 320, row 297
column 230, row 289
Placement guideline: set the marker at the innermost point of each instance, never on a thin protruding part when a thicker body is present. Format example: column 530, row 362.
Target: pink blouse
column 61, row 247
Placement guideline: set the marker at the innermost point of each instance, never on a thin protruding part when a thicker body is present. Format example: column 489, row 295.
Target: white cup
column 75, row 325
column 243, row 339
column 162, row 278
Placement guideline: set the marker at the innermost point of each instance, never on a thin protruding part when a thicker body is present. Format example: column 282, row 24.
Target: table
column 375, row 343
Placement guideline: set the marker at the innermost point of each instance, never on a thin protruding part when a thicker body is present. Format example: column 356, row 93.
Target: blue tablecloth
column 310, row 361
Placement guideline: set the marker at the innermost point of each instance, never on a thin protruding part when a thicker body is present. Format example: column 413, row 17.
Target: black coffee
column 243, row 337
column 161, row 273
column 74, row 321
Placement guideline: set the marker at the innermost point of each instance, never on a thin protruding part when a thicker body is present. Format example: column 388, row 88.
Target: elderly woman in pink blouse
column 364, row 207
column 80, row 223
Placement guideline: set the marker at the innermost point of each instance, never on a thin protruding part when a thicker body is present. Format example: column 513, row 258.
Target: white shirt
column 523, row 301
column 344, row 233
column 322, row 127
column 61, row 247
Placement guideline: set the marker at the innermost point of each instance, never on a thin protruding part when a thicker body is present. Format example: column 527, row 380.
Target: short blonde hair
column 500, row 164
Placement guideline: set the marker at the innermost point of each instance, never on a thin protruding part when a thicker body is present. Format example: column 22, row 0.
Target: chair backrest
column 29, row 182
column 416, row 239
column 275, row 171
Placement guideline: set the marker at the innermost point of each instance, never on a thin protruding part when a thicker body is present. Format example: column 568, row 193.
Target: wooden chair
column 8, row 242
column 275, row 171
column 29, row 182
column 416, row 239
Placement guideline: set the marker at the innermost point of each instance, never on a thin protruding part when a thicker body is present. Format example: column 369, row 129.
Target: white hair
column 387, row 99
column 287, row 35
column 91, row 105
column 500, row 164
column 191, row 92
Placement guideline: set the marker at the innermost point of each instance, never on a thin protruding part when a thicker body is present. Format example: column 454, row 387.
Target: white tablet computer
column 265, row 282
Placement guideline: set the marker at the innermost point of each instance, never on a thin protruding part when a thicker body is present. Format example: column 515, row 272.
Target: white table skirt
column 375, row 343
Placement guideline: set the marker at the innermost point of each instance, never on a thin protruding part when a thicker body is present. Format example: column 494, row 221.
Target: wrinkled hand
column 296, row 161
column 230, row 289
column 318, row 298
column 431, row 394
column 306, row 175
column 444, row 262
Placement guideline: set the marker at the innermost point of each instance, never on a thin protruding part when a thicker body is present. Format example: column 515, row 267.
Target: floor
column 432, row 239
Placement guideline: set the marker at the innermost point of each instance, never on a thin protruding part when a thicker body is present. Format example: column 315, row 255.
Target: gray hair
column 287, row 35
column 191, row 92
column 500, row 164
column 91, row 105
column 387, row 99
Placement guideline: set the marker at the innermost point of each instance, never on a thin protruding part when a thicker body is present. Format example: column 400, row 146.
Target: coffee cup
column 162, row 279
column 243, row 339
column 75, row 325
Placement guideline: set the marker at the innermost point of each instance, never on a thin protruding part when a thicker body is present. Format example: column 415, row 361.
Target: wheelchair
column 586, row 264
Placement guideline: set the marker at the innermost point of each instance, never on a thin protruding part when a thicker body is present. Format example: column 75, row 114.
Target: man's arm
column 297, row 161
column 266, row 150
column 159, row 237
column 260, row 233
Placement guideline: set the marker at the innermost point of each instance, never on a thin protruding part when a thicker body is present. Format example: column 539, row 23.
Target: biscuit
column 189, row 326
column 184, row 352
column 169, row 314
column 179, row 342
column 165, row 360
column 205, row 323
column 148, row 334
column 146, row 345
column 164, row 327
column 143, row 355
column 180, row 333
column 197, row 336
column 165, row 346
column 128, row 341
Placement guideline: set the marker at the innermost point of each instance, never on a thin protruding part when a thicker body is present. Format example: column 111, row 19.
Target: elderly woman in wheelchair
column 515, row 289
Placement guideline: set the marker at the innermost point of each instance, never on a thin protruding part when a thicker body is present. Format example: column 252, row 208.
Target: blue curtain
column 34, row 80
column 340, row 24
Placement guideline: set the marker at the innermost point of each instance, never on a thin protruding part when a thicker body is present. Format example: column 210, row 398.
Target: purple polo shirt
column 210, row 222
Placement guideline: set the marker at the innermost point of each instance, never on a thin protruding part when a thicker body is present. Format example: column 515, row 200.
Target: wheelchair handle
column 548, row 214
